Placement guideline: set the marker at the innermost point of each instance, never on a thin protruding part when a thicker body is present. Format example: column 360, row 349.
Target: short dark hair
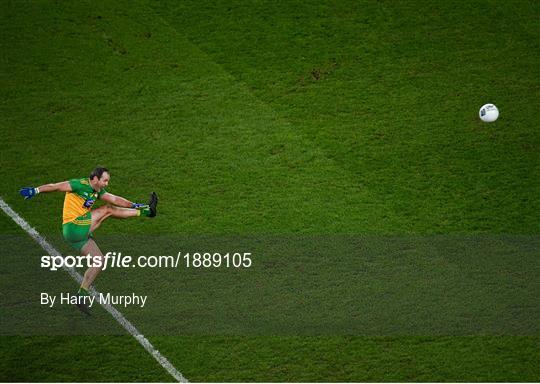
column 98, row 172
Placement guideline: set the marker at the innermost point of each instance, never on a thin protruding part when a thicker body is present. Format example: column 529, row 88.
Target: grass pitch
column 280, row 118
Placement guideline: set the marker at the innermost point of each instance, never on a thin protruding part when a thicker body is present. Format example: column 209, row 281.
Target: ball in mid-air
column 488, row 113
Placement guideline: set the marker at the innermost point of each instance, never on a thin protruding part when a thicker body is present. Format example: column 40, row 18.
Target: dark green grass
column 357, row 117
column 390, row 93
column 274, row 359
column 73, row 358
column 358, row 358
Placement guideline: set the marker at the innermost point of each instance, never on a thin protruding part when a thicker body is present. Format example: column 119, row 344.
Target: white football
column 488, row 113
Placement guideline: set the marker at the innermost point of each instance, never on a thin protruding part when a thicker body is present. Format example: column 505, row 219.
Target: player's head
column 100, row 177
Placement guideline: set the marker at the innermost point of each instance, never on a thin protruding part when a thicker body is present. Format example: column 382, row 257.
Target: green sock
column 83, row 292
column 145, row 212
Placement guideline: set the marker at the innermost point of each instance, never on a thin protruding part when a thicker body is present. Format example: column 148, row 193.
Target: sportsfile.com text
column 114, row 259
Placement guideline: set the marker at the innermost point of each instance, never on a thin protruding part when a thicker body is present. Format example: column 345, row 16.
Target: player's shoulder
column 81, row 181
column 78, row 183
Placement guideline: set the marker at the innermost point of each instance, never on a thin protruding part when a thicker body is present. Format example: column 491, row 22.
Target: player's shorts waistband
column 80, row 222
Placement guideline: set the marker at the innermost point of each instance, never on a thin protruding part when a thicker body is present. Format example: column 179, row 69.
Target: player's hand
column 28, row 192
column 138, row 206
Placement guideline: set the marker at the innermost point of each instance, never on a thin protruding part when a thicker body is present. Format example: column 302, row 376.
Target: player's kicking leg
column 91, row 248
column 102, row 213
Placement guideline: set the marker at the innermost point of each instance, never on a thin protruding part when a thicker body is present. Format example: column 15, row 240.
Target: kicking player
column 80, row 220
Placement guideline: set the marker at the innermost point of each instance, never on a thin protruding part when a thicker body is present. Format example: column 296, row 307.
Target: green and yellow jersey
column 79, row 201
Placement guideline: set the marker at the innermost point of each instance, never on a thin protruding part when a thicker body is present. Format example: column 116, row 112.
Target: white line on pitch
column 162, row 360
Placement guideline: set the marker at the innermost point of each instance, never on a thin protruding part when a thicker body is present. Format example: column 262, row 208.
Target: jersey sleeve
column 75, row 185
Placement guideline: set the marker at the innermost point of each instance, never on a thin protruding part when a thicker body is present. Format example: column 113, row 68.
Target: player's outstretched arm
column 29, row 192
